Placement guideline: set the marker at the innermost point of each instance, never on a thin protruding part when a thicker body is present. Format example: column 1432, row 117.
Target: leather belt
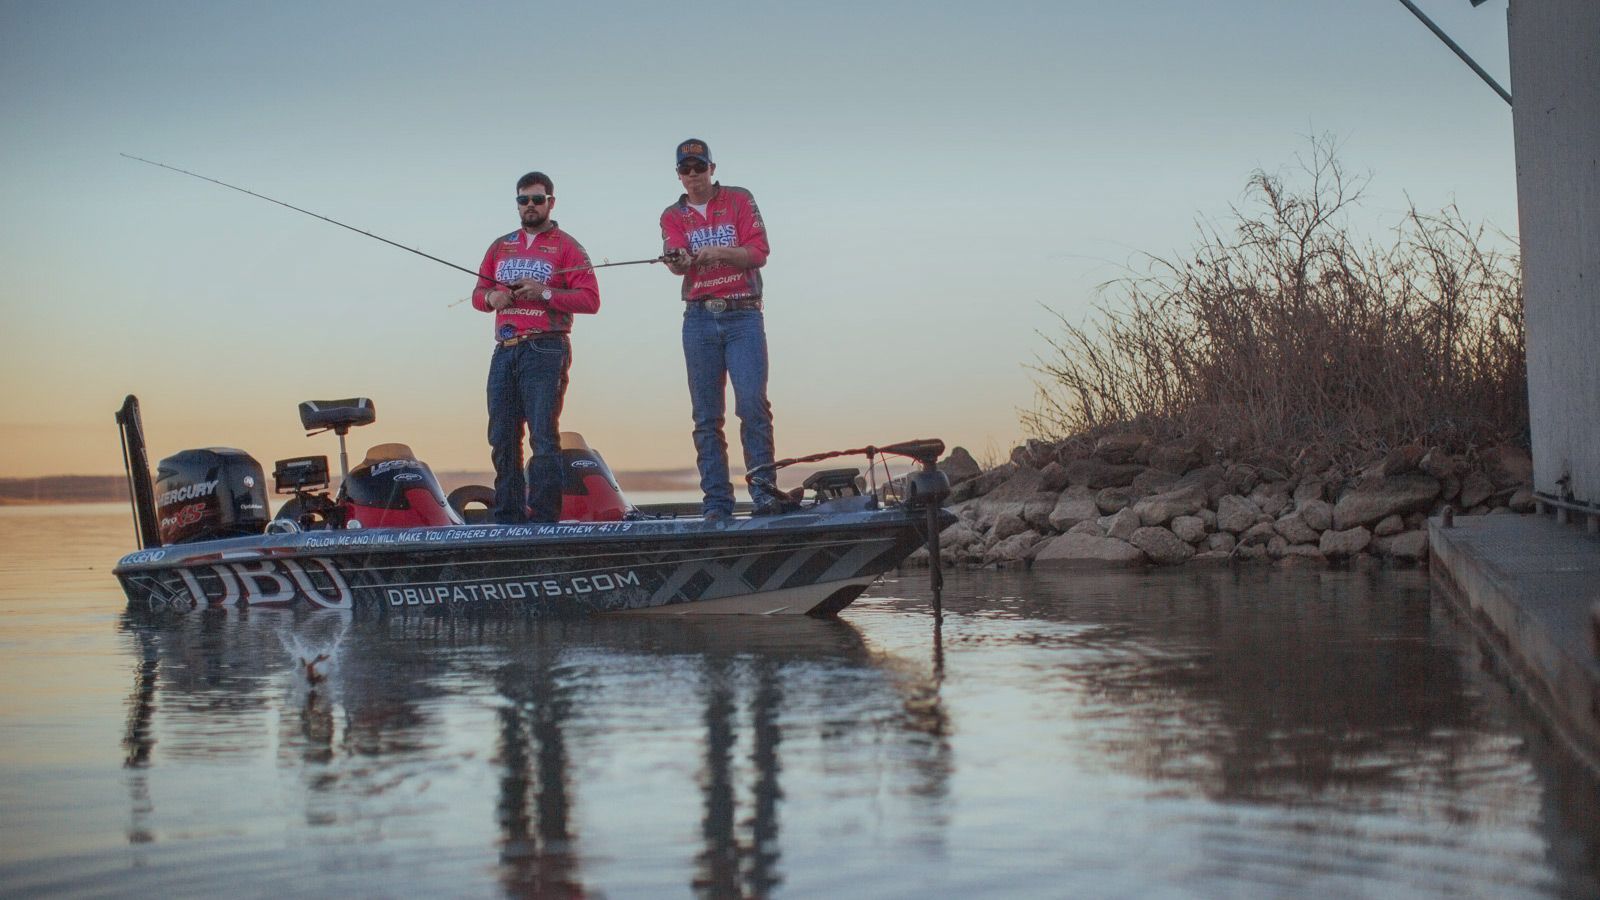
column 528, row 336
column 717, row 304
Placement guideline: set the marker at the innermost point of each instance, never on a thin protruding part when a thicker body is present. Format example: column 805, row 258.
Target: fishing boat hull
column 810, row 562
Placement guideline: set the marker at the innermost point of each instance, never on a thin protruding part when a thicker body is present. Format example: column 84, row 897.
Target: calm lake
column 1254, row 733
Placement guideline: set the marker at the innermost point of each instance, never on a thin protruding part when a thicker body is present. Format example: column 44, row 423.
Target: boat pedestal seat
column 339, row 415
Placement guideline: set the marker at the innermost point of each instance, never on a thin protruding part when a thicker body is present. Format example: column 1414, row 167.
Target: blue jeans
column 718, row 347
column 527, row 383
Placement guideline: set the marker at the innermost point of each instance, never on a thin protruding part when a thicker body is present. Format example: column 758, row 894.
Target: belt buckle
column 716, row 305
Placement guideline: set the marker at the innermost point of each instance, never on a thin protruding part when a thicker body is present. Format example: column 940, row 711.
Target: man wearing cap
column 552, row 281
column 714, row 238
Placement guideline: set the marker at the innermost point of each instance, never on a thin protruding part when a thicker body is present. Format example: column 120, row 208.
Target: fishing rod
column 319, row 216
column 607, row 265
column 603, row 265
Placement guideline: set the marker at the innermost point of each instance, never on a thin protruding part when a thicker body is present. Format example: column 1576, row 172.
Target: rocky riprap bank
column 1129, row 501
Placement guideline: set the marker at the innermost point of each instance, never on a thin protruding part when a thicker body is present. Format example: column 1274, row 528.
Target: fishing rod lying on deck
column 510, row 287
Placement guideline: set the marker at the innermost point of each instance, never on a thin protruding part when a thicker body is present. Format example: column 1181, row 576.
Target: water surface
column 1263, row 732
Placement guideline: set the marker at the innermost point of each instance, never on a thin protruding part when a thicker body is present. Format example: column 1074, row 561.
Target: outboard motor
column 589, row 492
column 391, row 488
column 203, row 495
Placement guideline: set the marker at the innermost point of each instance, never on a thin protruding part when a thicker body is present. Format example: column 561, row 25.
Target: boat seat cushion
column 337, row 414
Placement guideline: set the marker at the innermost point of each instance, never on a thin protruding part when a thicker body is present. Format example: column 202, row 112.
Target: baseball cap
column 694, row 148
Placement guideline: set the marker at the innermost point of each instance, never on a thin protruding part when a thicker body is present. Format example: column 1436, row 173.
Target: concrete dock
column 1532, row 586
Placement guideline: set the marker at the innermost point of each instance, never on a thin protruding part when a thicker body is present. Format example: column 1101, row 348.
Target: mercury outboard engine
column 203, row 495
column 391, row 488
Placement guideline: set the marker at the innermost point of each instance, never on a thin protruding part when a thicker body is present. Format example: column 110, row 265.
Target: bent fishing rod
column 445, row 262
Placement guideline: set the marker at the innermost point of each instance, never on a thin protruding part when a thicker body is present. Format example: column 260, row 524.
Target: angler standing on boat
column 714, row 238
column 528, row 371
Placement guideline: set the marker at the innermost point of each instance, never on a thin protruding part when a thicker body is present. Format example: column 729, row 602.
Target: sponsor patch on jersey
column 712, row 236
column 516, row 268
column 505, row 332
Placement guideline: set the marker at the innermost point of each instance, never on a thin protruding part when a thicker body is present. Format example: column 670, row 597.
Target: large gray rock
column 1152, row 481
column 1318, row 514
column 1240, row 478
column 1091, row 527
column 1036, row 511
column 1439, row 464
column 1272, row 497
column 1119, row 448
column 1008, row 522
column 1211, row 479
column 1372, row 499
column 1179, row 457
column 1402, row 459
column 1338, row 544
column 1278, row 548
column 1097, row 473
column 1250, row 551
column 1053, row 477
column 1508, row 466
column 1407, row 545
column 1293, row 528
column 1019, row 484
column 1162, row 546
column 1162, row 508
column 1190, row 529
column 1121, row 525
column 1034, row 454
column 1236, row 514
column 1310, row 489
column 1016, row 548
column 1075, row 505
column 1221, row 542
column 1389, row 525
column 1259, row 533
column 957, row 538
column 1113, row 499
column 1082, row 551
column 959, row 466
column 1475, row 488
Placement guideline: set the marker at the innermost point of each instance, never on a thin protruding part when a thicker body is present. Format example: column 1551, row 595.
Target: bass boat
column 390, row 540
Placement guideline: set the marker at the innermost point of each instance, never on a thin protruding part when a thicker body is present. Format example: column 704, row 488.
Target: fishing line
column 315, row 216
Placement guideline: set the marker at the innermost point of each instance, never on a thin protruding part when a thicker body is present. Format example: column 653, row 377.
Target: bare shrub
column 1288, row 333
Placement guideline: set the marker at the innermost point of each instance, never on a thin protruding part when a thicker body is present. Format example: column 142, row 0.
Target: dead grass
column 1288, row 333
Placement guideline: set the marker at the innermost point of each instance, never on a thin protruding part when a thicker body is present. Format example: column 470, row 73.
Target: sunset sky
column 934, row 176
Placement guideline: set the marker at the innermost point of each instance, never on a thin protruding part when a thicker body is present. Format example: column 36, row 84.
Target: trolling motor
column 926, row 489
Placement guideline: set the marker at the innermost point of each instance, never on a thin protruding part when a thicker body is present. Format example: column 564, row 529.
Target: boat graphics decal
column 575, row 567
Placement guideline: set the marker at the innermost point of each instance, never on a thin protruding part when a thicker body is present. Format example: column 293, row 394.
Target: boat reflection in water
column 555, row 730
column 1228, row 733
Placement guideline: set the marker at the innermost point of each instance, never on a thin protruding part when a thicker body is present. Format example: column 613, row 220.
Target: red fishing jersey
column 731, row 220
column 520, row 255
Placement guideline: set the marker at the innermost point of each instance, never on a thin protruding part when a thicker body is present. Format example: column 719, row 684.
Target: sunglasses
column 698, row 168
column 535, row 199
